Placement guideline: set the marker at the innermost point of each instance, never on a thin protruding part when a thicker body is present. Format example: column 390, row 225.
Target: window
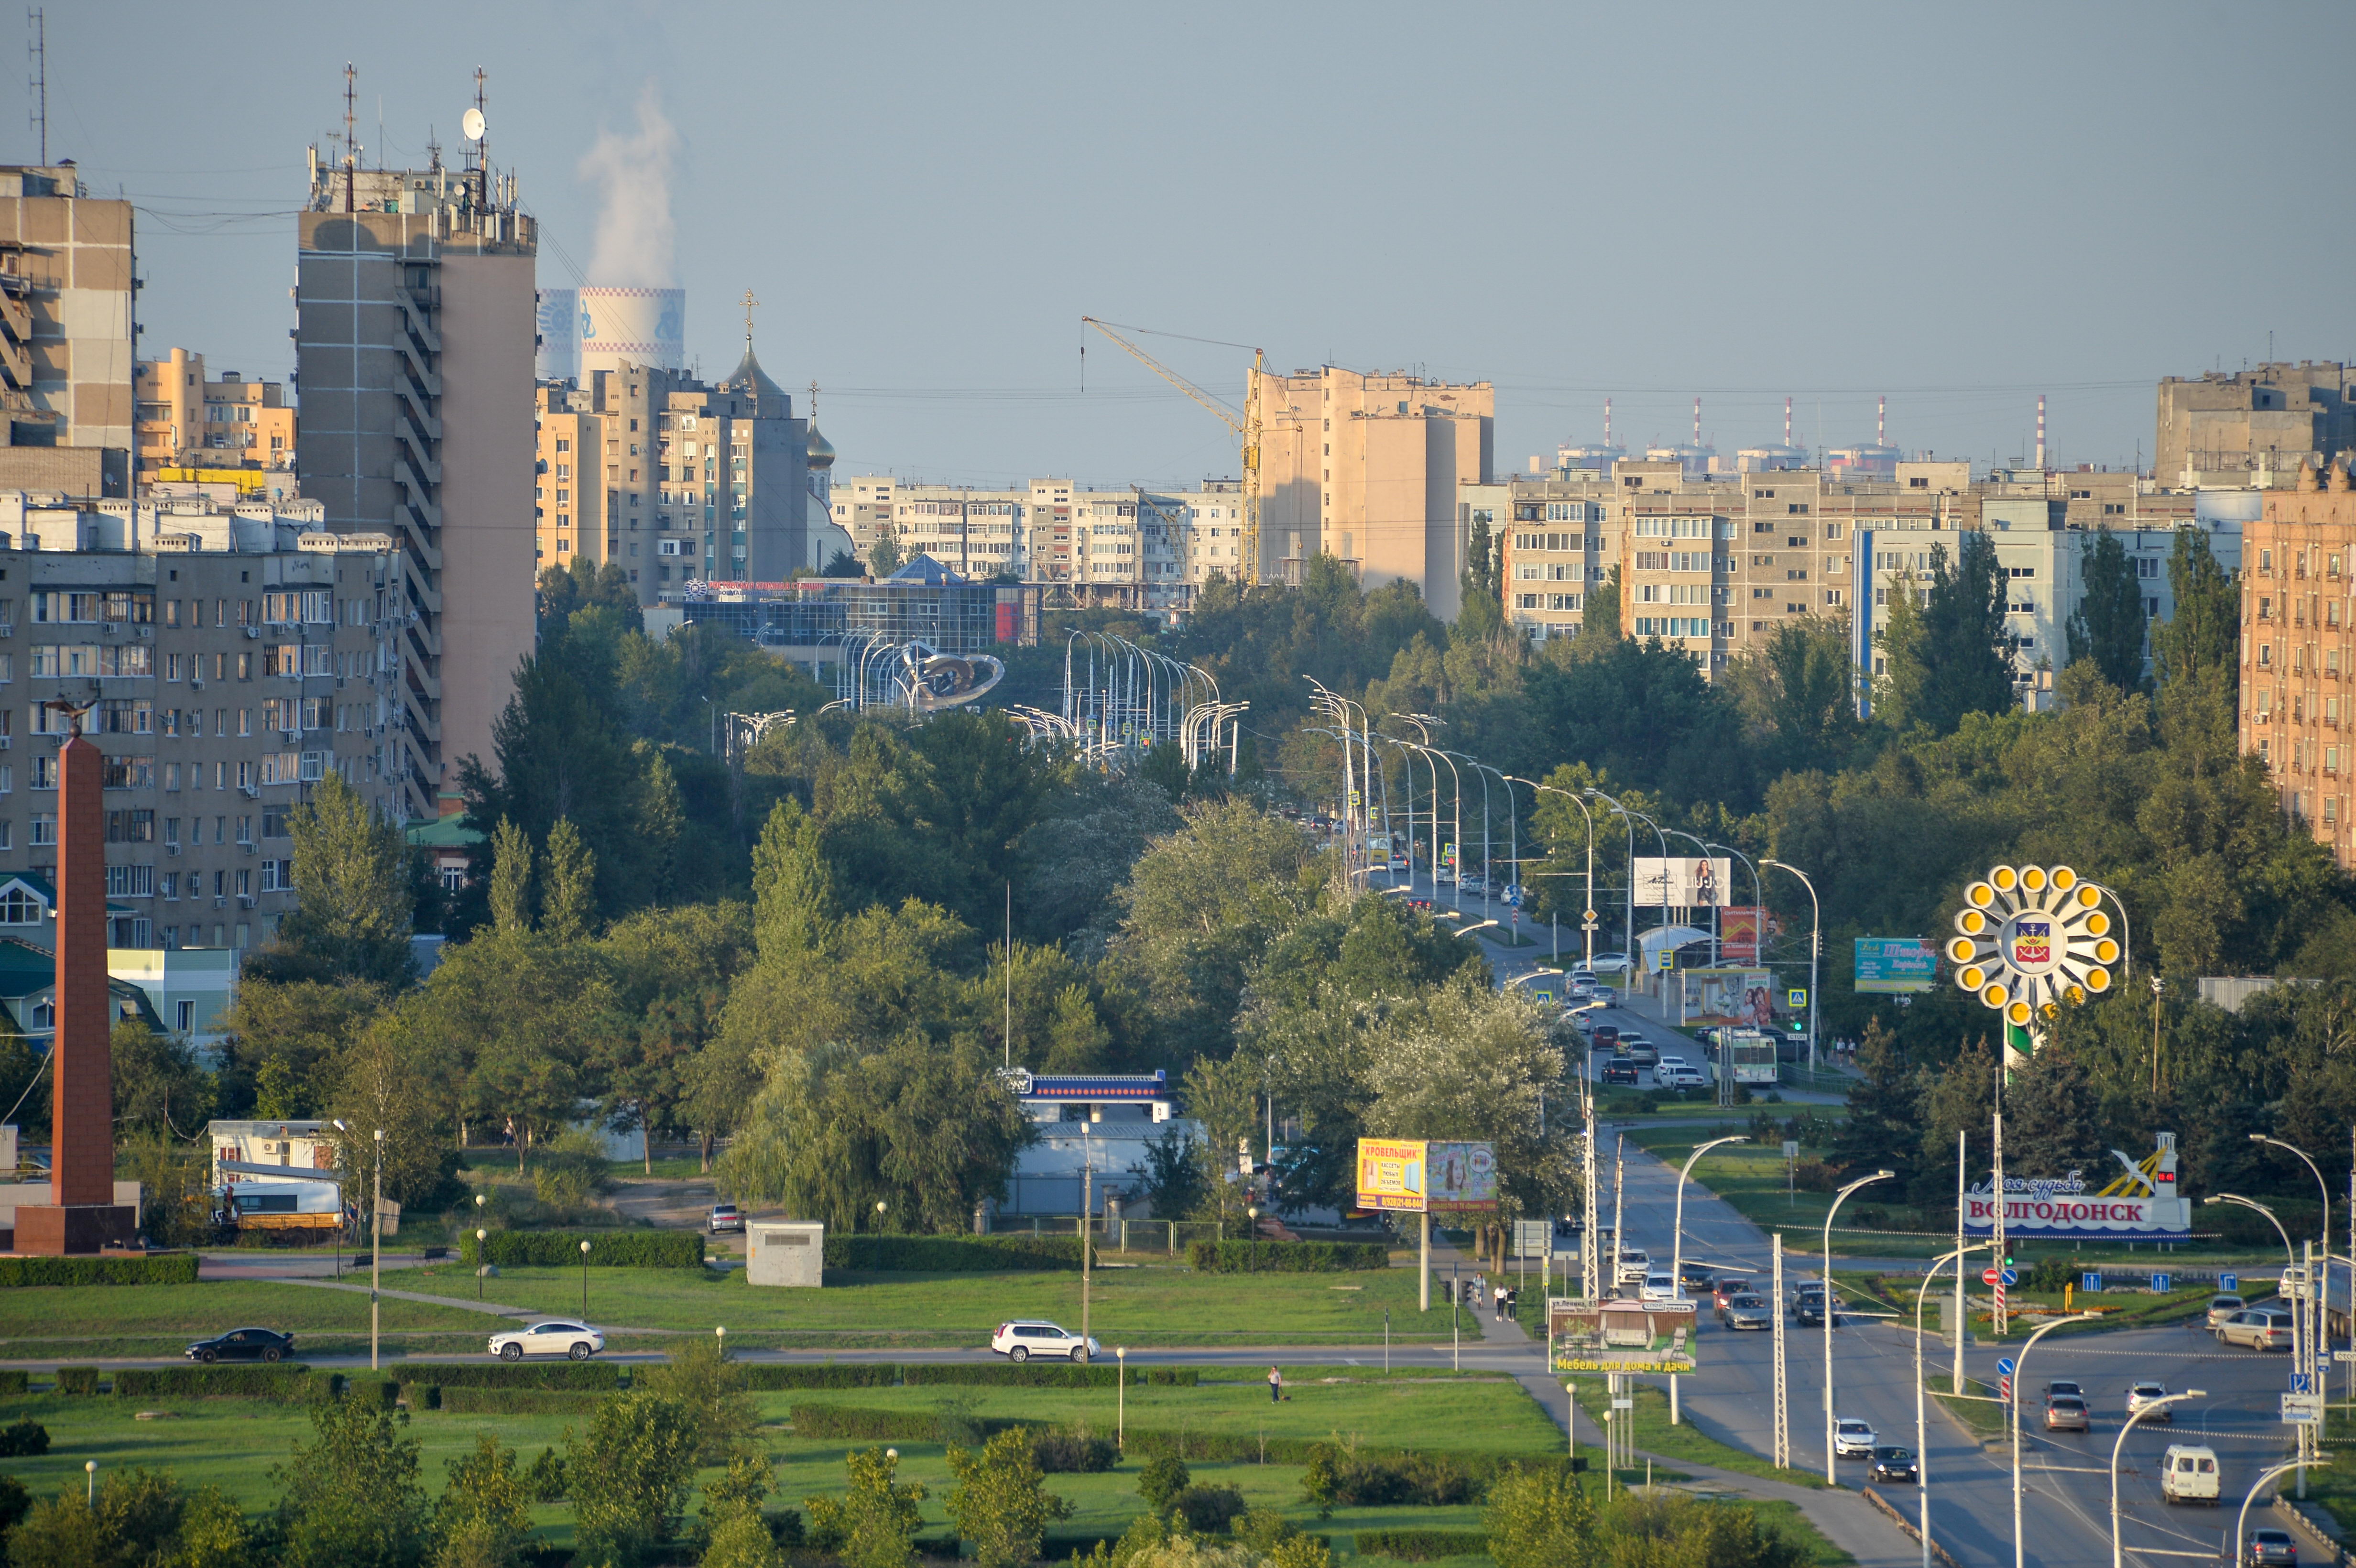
column 131, row 882
column 45, row 824
column 184, row 1014
column 135, row 827
column 18, row 907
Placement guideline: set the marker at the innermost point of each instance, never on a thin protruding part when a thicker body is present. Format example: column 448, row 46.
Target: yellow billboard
column 1391, row 1174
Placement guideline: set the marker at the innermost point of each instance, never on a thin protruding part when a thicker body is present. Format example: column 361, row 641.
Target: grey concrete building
column 64, row 311
column 2256, row 426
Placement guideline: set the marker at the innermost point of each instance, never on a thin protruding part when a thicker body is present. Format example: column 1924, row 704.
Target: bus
column 1749, row 1055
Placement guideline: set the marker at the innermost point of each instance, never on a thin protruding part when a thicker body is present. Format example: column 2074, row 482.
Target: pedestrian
column 1275, row 1384
column 1500, row 1294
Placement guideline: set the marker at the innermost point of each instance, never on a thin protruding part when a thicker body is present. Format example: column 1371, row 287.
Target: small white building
column 785, row 1252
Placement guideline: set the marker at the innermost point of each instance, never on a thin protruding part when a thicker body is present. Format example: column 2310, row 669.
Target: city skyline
column 924, row 213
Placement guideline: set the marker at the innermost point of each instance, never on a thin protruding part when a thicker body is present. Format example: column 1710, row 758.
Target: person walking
column 1499, row 1293
column 1275, row 1384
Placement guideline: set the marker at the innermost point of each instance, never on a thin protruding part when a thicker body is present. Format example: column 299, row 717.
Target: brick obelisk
column 81, row 1215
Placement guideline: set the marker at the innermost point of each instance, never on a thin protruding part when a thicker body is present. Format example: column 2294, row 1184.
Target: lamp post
column 1921, row 1400
column 720, row 1337
column 1251, row 1262
column 376, row 1250
column 585, row 1284
column 2242, row 1519
column 1677, row 1243
column 1120, row 1403
column 2117, row 1559
column 1815, row 951
column 89, row 1468
column 2314, row 1335
column 482, row 1261
column 1831, row 1457
column 2012, row 1419
column 1588, row 908
column 2297, row 1317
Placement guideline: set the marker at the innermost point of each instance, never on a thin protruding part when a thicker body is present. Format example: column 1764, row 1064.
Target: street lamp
column 2012, row 1414
column 1815, row 951
column 482, row 1260
column 376, row 1250
column 585, row 1284
column 1832, row 1477
column 2290, row 1267
column 1588, row 917
column 89, row 1468
column 2117, row 1560
column 1922, row 1412
column 1677, row 1242
column 1120, row 1402
column 1477, row 925
column 2242, row 1519
column 1252, row 1264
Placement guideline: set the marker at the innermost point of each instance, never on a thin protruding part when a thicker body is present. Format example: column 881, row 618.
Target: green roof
column 445, row 833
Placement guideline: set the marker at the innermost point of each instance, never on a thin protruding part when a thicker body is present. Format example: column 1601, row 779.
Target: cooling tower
column 559, row 359
column 644, row 326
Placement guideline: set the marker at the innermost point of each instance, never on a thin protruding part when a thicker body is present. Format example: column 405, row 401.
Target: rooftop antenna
column 351, row 148
column 474, row 123
column 40, row 82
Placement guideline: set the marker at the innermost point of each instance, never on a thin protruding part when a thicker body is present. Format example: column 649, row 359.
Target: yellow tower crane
column 1247, row 427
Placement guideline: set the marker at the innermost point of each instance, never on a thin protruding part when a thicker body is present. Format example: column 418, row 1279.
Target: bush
column 1338, row 1476
column 1164, row 1477
column 514, row 1401
column 288, row 1382
column 951, row 1254
column 767, row 1376
column 1422, row 1545
column 544, row 1478
column 1046, row 1374
column 870, row 1425
column 169, row 1268
column 77, row 1380
column 14, row 1382
column 1208, row 1510
column 1287, row 1257
column 23, row 1440
column 585, row 1376
column 607, row 1249
column 565, row 1171
column 1071, row 1453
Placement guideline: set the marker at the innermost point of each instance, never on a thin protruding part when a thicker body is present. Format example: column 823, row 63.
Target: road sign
column 1990, row 1275
column 2159, row 1284
column 2092, row 1284
column 2004, row 1390
column 2012, row 1277
column 1587, row 915
column 1623, row 1404
column 1796, row 999
column 2226, row 1282
column 2302, row 1409
column 2298, row 1383
column 2343, row 1355
column 1791, row 1148
column 2004, row 1366
column 1513, row 895
column 1664, row 961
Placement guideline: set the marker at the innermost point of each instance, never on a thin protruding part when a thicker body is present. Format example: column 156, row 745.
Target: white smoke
column 637, row 236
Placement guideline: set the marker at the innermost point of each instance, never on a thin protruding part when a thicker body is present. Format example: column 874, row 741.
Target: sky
column 1957, row 207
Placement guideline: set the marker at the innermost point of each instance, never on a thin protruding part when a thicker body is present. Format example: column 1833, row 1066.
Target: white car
column 1021, row 1341
column 1659, row 1287
column 563, row 1338
column 1634, row 1264
column 1852, row 1439
column 1680, row 1077
column 2146, row 1396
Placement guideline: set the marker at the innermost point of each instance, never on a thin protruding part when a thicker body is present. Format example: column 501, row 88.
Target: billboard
column 1739, row 928
column 2139, row 1204
column 1391, row 1174
column 1894, row 964
column 1683, row 882
column 1638, row 1337
column 1463, row 1178
column 1729, row 996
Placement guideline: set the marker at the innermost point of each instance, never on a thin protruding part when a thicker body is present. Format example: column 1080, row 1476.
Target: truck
column 299, row 1206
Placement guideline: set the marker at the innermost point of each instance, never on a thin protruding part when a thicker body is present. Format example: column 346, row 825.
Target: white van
column 2188, row 1474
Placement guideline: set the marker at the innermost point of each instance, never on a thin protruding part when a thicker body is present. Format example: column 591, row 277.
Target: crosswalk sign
column 1796, row 999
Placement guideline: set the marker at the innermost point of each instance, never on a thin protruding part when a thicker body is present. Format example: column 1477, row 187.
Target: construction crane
column 1247, row 429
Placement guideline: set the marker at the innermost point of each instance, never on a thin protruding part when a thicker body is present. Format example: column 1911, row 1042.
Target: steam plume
column 637, row 237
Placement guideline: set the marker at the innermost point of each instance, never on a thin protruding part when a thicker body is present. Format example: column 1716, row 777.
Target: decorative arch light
column 2028, row 938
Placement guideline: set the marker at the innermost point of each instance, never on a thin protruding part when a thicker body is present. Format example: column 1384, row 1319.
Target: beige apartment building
column 64, row 311
column 675, row 481
column 2256, row 426
column 415, row 318
column 2298, row 604
column 230, row 658
column 1367, row 467
column 187, row 421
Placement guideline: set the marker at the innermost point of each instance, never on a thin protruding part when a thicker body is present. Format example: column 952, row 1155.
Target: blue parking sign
column 2092, row 1284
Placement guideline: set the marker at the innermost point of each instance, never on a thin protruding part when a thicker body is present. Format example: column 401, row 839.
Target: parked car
column 726, row 1217
column 563, row 1336
column 244, row 1345
column 2270, row 1546
column 1021, row 1341
column 2223, row 1307
column 1894, row 1465
column 1746, row 1311
column 2142, row 1396
column 1659, row 1286
column 1852, row 1439
column 2188, row 1474
column 1620, row 1072
column 2065, row 1413
column 2258, row 1328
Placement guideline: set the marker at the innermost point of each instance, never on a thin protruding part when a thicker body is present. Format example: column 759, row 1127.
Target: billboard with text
column 1463, row 1178
column 1683, row 882
column 1896, row 964
column 1391, row 1175
column 1637, row 1337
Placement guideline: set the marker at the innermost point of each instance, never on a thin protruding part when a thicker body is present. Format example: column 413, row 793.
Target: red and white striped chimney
column 2040, row 430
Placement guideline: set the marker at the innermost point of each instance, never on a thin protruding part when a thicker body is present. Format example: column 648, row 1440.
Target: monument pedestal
column 48, row 1230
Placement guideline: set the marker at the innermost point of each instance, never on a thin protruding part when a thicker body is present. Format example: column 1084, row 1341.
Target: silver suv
column 2258, row 1329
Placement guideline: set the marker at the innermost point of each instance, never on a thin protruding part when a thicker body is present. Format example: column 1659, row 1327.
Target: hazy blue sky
column 1961, row 206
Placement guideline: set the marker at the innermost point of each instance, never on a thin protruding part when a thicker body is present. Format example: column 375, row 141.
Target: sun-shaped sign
column 2028, row 937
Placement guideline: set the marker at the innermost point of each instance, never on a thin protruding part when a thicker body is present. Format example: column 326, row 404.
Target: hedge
column 1287, row 1257
column 951, row 1254
column 462, row 1401
column 167, row 1268
column 591, row 1376
column 1056, row 1374
column 289, row 1382
column 607, row 1249
column 1145, row 1442
column 769, row 1376
column 77, row 1380
column 1421, row 1545
column 13, row 1381
column 862, row 1425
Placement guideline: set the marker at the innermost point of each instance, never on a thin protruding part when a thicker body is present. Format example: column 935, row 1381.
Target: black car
column 244, row 1345
column 1620, row 1072
column 1894, row 1465
column 1695, row 1277
column 1809, row 1309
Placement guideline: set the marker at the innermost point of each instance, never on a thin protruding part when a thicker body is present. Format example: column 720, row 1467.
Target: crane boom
column 1248, row 427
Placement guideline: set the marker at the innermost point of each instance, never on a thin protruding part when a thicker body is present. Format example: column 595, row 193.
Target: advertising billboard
column 1391, row 1174
column 1729, row 996
column 1895, row 964
column 1463, row 1178
column 1739, row 928
column 1638, row 1337
column 2139, row 1204
column 1684, row 881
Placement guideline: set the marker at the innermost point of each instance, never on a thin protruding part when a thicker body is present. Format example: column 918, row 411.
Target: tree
column 283, row 1040
column 159, row 1086
column 842, row 563
column 2109, row 623
column 793, row 884
column 511, row 878
column 628, row 1474
column 483, row 1517
column 884, row 556
column 1540, row 1519
column 2203, row 638
column 1883, row 1130
column 1482, row 585
column 352, row 1497
column 702, row 1377
column 1598, row 621
column 521, row 1020
column 1809, row 696
column 354, row 896
column 1000, row 1506
column 141, row 1517
column 1947, row 650
column 395, row 1077
column 875, row 1524
column 569, row 893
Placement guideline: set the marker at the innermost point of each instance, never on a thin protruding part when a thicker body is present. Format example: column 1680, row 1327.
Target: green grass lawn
column 1155, row 1304
column 1656, row 1435
column 1982, row 1416
column 76, row 1322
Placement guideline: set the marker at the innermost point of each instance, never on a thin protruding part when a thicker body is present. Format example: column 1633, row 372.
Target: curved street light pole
column 2242, row 1519
column 1922, row 1399
column 2117, row 1559
column 1677, row 1243
column 1831, row 1453
column 2317, row 1291
column 2302, row 1306
column 1628, row 932
column 1587, row 922
column 2012, row 1420
column 1815, row 951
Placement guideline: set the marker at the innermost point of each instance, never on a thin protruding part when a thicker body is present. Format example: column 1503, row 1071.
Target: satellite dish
column 471, row 123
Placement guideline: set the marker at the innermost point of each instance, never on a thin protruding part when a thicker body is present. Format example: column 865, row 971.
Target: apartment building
column 187, row 421
column 675, row 480
column 1367, row 467
column 2298, row 603
column 2256, row 426
column 228, row 657
column 64, row 311
column 416, row 315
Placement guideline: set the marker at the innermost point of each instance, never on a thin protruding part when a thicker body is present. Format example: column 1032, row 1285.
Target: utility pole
column 1590, row 1282
column 1782, row 1405
column 376, row 1250
column 1962, row 1300
column 1619, row 1170
column 1998, row 1321
column 1087, row 1224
